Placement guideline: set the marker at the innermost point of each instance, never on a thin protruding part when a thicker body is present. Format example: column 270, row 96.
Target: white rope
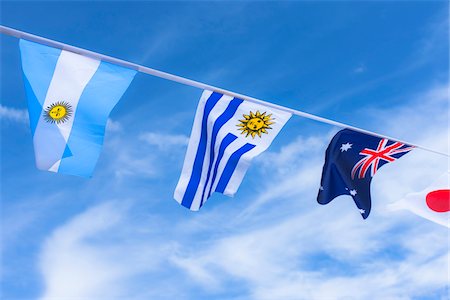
column 186, row 81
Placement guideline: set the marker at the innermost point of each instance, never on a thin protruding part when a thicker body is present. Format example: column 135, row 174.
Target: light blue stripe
column 38, row 65
column 231, row 166
column 192, row 186
column 221, row 120
column 99, row 97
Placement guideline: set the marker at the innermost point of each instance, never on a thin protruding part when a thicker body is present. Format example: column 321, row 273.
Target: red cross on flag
column 433, row 203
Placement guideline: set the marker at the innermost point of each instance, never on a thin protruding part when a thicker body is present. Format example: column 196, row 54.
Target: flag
column 432, row 203
column 70, row 97
column 351, row 160
column 227, row 134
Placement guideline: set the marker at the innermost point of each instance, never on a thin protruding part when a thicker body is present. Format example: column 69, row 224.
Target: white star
column 353, row 192
column 362, row 211
column 321, row 188
column 345, row 147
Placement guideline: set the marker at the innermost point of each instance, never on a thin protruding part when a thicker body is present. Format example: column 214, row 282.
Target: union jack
column 372, row 157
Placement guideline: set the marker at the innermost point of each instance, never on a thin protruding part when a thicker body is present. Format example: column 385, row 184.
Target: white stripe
column 55, row 167
column 239, row 172
column 72, row 74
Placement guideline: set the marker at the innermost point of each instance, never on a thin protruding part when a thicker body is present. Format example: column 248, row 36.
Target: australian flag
column 351, row 160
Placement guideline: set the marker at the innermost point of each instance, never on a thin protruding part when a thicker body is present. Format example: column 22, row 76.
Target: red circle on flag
column 439, row 200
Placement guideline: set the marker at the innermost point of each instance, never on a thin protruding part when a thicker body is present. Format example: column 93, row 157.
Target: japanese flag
column 433, row 203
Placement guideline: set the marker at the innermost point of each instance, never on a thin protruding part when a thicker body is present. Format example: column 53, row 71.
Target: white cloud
column 66, row 258
column 128, row 158
column 14, row 115
column 274, row 261
column 359, row 69
column 113, row 126
column 273, row 254
column 164, row 141
column 283, row 245
column 141, row 155
column 82, row 259
column 66, row 250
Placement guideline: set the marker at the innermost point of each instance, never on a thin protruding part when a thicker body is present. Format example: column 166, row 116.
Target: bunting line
column 168, row 76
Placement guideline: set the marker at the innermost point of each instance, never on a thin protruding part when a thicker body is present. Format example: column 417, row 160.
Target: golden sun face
column 58, row 112
column 255, row 123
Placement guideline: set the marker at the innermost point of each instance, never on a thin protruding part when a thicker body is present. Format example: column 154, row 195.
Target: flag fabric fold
column 432, row 203
column 70, row 97
column 351, row 160
column 226, row 135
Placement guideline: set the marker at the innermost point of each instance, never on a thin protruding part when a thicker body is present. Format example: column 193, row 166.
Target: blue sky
column 382, row 66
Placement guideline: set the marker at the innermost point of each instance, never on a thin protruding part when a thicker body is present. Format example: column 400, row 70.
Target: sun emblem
column 58, row 112
column 255, row 124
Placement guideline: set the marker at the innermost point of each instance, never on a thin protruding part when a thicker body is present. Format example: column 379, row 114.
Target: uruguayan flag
column 70, row 97
column 227, row 134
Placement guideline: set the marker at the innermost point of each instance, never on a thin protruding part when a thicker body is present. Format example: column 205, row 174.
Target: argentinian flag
column 70, row 97
column 227, row 134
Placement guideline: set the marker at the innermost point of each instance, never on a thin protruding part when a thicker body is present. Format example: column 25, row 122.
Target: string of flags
column 71, row 95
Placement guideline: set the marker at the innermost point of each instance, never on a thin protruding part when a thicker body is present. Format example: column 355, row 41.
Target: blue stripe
column 231, row 166
column 224, row 117
column 229, row 138
column 189, row 194
column 98, row 99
